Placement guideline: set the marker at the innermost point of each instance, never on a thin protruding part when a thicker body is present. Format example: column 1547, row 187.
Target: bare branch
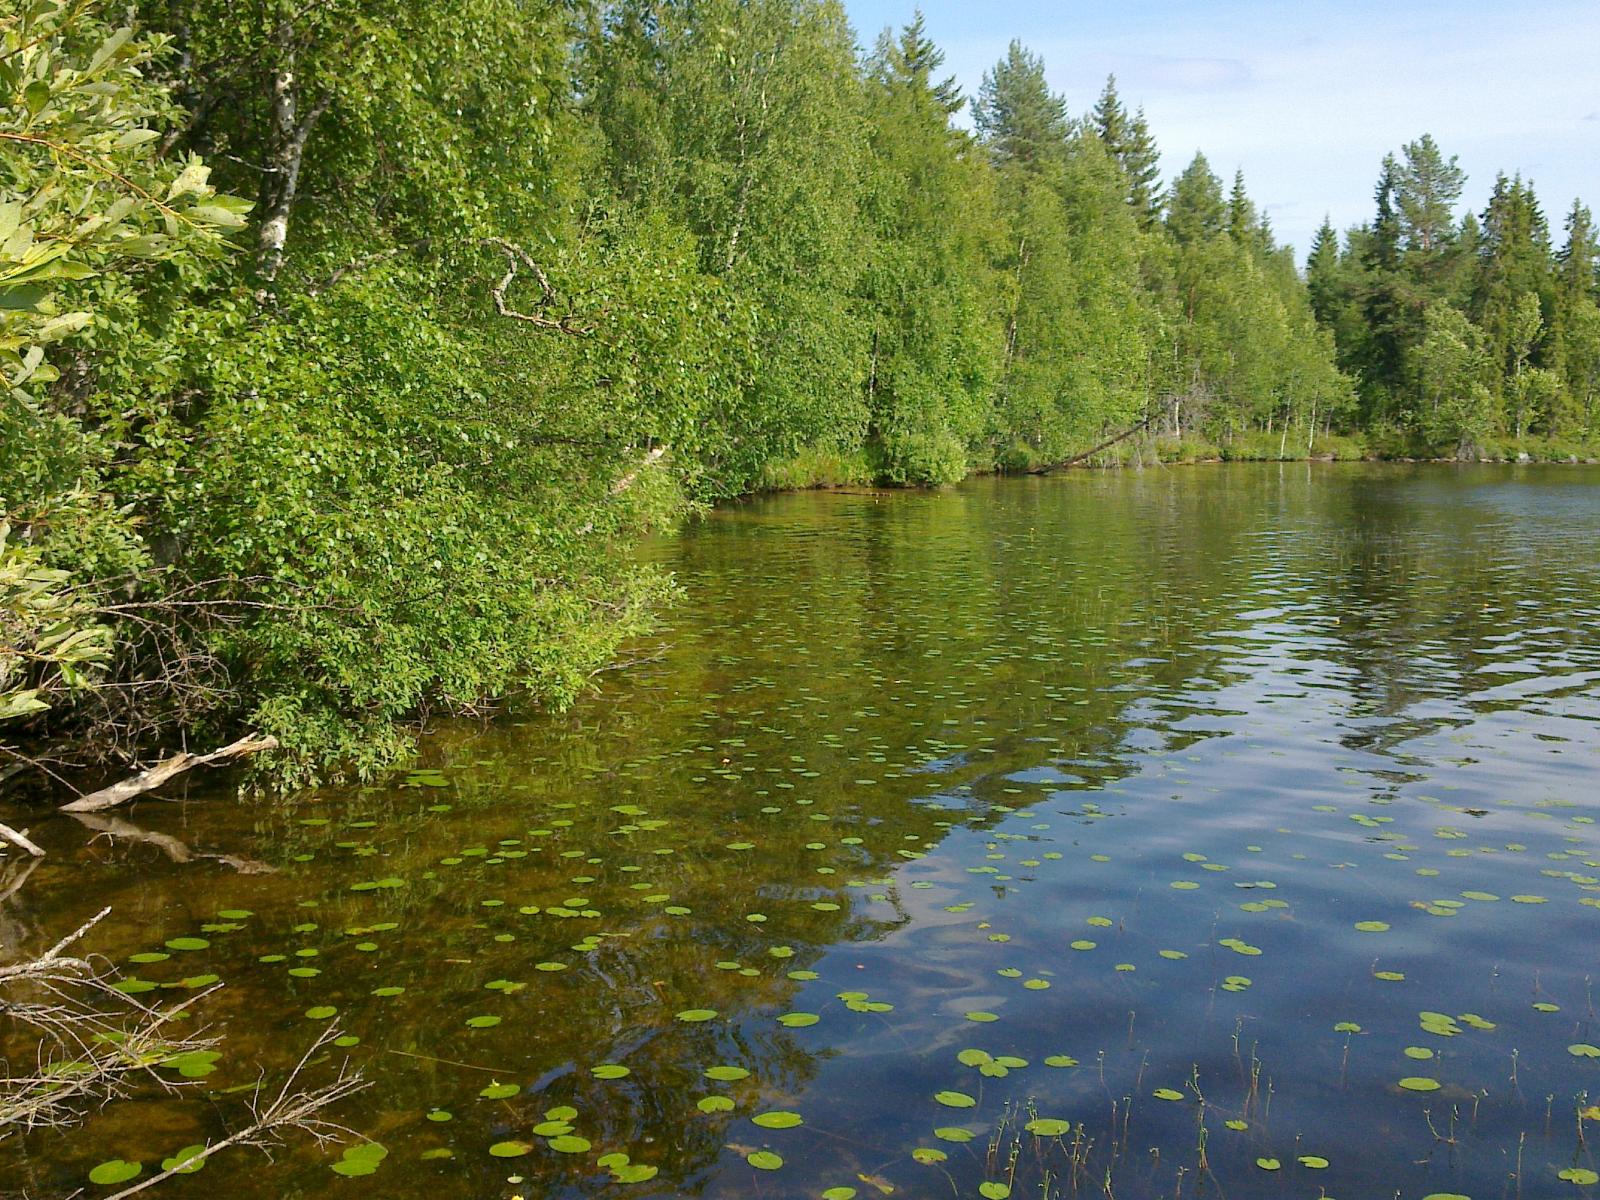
column 514, row 254
column 294, row 1108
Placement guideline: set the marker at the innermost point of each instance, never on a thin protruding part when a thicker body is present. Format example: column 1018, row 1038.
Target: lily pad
column 186, row 1161
column 115, row 1170
column 1419, row 1083
column 778, row 1120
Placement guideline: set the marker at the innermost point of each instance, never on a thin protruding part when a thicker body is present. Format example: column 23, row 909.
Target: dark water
column 1183, row 794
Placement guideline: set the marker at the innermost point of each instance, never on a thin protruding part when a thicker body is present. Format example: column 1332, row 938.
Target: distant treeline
column 351, row 344
column 1464, row 332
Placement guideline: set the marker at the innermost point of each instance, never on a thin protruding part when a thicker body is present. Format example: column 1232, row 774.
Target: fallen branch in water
column 176, row 849
column 93, row 1039
column 292, row 1108
column 1093, row 450
column 19, row 838
column 154, row 777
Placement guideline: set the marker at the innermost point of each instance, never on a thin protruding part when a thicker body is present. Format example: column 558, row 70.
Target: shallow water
column 1183, row 794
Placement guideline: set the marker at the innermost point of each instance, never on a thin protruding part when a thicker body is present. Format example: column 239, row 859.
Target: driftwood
column 176, row 849
column 19, row 838
column 1093, row 450
column 154, row 777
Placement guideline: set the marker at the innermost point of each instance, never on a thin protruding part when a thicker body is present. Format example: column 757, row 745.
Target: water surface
column 1180, row 814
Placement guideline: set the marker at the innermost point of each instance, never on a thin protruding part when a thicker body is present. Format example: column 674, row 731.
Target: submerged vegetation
column 350, row 346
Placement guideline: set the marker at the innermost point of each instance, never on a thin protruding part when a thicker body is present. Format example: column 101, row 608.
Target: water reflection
column 1191, row 790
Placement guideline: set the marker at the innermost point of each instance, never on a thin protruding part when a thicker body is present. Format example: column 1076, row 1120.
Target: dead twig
column 292, row 1108
column 93, row 1039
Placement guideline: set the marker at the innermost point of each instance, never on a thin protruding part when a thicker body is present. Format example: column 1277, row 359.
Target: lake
column 1224, row 830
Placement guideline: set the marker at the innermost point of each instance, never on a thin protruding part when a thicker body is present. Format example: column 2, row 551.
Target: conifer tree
column 1322, row 273
column 1127, row 139
column 1384, row 368
column 1242, row 221
column 1195, row 208
column 1016, row 114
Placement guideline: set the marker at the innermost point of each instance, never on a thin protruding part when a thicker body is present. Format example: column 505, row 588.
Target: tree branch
column 515, row 253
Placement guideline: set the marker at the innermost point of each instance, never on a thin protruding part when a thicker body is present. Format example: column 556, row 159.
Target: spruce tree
column 1322, row 273
column 1241, row 213
column 1578, row 259
column 1384, row 369
column 1129, row 143
column 1141, row 162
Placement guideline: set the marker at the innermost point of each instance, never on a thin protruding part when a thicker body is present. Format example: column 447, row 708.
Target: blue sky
column 1307, row 97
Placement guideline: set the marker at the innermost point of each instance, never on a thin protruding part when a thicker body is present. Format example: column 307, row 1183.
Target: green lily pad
column 1419, row 1083
column 778, row 1120
column 186, row 1161
column 115, row 1170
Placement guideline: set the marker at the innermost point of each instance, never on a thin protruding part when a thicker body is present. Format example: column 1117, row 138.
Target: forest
column 352, row 346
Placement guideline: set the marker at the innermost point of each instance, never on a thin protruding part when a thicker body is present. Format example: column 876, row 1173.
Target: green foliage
column 523, row 280
column 88, row 212
column 50, row 643
column 1467, row 336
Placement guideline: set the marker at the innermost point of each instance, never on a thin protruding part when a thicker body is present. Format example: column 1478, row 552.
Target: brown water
column 1154, row 809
